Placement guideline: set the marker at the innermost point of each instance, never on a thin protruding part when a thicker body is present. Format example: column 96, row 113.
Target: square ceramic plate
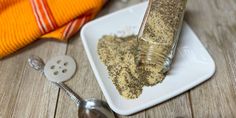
column 192, row 64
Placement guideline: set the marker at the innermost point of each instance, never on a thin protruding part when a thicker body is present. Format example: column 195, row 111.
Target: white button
column 60, row 69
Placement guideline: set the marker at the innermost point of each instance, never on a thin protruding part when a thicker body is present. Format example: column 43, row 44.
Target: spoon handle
column 69, row 92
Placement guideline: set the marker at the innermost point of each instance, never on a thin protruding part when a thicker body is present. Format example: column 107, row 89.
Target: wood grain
column 25, row 93
column 214, row 22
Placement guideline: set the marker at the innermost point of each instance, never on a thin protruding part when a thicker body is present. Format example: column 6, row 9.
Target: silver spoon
column 89, row 108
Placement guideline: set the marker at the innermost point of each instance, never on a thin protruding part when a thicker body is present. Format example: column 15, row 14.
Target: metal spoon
column 89, row 108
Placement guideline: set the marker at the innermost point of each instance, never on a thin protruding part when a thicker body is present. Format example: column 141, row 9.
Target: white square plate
column 192, row 64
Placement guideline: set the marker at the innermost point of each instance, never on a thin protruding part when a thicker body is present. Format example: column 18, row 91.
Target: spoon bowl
column 92, row 108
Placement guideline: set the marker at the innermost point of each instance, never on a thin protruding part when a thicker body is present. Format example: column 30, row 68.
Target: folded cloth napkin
column 24, row 21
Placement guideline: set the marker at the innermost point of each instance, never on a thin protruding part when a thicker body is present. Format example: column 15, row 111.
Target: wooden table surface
column 25, row 93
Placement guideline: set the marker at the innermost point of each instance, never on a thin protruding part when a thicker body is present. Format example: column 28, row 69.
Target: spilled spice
column 118, row 54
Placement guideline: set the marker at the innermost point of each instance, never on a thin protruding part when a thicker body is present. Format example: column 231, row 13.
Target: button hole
column 55, row 73
column 52, row 67
column 58, row 61
column 66, row 63
column 64, row 70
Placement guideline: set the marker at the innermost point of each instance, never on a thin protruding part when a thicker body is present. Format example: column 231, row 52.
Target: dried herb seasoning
column 118, row 54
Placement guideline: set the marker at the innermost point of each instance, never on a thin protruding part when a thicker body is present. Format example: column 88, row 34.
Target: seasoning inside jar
column 159, row 33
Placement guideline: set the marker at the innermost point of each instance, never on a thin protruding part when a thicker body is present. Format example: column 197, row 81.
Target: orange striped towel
column 24, row 21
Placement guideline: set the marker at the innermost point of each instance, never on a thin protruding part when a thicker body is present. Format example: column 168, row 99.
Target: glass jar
column 159, row 33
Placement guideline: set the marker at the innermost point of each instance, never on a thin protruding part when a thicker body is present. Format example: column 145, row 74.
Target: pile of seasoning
column 118, row 54
column 137, row 61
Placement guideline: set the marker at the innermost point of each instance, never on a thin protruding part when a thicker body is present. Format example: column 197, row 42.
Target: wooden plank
column 178, row 107
column 24, row 92
column 115, row 5
column 215, row 24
